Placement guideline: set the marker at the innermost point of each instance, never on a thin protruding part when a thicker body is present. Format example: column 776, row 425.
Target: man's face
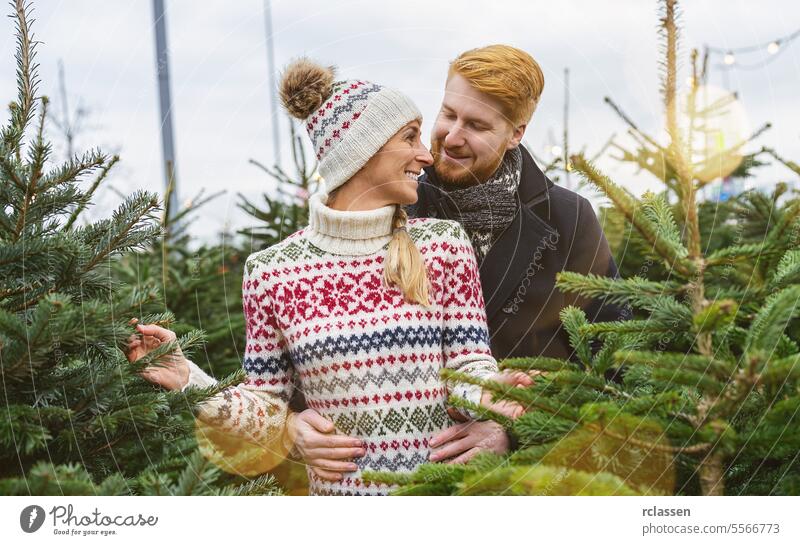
column 471, row 134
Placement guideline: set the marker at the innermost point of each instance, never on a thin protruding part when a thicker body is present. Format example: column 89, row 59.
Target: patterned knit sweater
column 316, row 305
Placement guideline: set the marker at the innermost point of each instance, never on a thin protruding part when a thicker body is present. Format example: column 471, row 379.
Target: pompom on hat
column 348, row 121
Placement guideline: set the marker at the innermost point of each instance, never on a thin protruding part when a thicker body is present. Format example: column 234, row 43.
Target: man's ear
column 516, row 137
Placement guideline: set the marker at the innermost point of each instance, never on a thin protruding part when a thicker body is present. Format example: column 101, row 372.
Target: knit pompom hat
column 348, row 121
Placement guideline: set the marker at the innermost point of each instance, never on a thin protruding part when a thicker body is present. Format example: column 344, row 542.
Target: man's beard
column 459, row 176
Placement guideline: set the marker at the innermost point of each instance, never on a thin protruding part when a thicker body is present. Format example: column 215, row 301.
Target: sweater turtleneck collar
column 348, row 232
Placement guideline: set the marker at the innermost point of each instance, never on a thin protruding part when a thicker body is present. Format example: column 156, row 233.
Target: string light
column 773, row 49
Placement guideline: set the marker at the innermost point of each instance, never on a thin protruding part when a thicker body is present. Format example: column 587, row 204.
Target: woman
column 363, row 305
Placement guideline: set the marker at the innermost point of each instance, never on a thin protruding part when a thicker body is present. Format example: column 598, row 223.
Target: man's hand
column 328, row 454
column 463, row 441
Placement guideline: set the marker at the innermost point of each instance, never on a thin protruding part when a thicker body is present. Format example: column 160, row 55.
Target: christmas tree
column 710, row 393
column 279, row 217
column 78, row 417
column 196, row 282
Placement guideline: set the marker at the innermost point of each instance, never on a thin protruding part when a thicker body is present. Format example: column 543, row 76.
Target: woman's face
column 393, row 171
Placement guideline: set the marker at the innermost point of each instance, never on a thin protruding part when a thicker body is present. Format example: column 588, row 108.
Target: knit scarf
column 486, row 209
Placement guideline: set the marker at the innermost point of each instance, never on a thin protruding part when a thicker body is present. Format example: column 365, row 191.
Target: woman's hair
column 404, row 266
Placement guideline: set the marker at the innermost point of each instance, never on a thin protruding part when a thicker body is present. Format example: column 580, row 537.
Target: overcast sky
column 220, row 81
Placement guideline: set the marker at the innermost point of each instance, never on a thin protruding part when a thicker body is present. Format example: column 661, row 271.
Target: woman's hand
column 175, row 375
column 327, row 453
column 511, row 409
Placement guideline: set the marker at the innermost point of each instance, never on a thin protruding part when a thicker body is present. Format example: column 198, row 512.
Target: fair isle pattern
column 337, row 114
column 366, row 360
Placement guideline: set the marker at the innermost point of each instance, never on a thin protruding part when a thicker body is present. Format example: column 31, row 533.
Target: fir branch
column 780, row 371
column 547, row 480
column 631, row 124
column 537, row 427
column 630, row 207
column 133, row 225
column 482, row 412
column 787, row 272
column 39, row 151
column 636, row 290
column 794, row 167
column 196, row 476
column 536, row 363
column 693, row 449
column 527, row 397
column 788, row 221
column 27, row 81
column 658, row 210
column 700, row 381
column 263, row 485
column 676, row 361
column 646, row 327
column 87, row 196
column 574, row 321
column 744, row 252
column 771, row 321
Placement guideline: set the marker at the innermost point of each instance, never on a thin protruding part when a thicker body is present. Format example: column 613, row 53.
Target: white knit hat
column 348, row 121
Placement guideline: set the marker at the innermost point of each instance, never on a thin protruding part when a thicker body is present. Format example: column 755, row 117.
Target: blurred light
column 690, row 81
column 556, row 151
column 773, row 47
column 718, row 133
column 729, row 58
column 650, row 161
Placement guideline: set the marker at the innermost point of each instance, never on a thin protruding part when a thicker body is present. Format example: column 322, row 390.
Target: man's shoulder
column 561, row 206
column 559, row 195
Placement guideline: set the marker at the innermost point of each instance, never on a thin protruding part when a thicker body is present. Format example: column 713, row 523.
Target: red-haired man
column 524, row 229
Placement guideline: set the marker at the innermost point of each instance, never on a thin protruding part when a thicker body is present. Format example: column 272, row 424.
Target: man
column 524, row 230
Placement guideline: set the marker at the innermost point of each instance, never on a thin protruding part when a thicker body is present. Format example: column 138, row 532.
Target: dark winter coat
column 554, row 230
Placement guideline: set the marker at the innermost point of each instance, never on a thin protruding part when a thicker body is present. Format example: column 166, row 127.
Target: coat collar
column 533, row 183
column 516, row 252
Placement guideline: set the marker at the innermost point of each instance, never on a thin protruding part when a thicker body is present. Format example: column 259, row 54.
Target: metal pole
column 165, row 103
column 62, row 87
column 273, row 90
column 566, row 129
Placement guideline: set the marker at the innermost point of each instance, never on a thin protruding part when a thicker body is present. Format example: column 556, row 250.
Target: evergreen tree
column 711, row 391
column 78, row 419
column 200, row 284
column 280, row 217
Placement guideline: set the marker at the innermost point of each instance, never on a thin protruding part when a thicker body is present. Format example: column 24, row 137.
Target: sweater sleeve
column 198, row 377
column 256, row 409
column 465, row 336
